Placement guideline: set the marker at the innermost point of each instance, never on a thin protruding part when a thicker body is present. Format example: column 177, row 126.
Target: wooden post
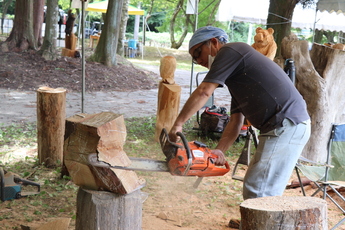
column 104, row 134
column 108, row 211
column 168, row 96
column 284, row 213
column 51, row 115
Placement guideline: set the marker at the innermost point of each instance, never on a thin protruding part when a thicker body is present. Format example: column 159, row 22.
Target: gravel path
column 20, row 106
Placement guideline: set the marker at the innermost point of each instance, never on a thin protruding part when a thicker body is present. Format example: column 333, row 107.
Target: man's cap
column 205, row 33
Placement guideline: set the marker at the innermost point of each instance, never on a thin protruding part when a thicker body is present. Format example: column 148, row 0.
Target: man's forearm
column 231, row 132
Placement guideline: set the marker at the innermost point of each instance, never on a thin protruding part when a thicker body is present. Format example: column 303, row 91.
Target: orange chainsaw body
column 191, row 158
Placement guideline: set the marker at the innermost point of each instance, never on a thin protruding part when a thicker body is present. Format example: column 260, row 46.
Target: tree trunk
column 178, row 9
column 284, row 213
column 51, row 115
column 320, row 79
column 279, row 13
column 48, row 49
column 105, row 210
column 123, row 26
column 104, row 134
column 38, row 20
column 105, row 52
column 22, row 34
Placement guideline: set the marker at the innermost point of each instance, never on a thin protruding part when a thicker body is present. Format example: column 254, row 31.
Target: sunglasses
column 197, row 52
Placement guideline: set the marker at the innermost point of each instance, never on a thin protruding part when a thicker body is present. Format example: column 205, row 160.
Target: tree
column 105, row 52
column 280, row 11
column 48, row 48
column 319, row 78
column 22, row 36
column 38, row 20
column 122, row 33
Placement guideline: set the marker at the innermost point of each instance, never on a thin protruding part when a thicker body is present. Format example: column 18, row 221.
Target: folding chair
column 331, row 174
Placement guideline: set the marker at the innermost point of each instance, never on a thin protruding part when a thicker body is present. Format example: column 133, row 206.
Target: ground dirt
column 169, row 202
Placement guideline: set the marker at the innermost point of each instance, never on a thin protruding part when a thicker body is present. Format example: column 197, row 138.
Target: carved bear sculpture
column 264, row 42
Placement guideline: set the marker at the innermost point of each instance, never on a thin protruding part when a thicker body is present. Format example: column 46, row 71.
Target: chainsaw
column 182, row 159
column 11, row 186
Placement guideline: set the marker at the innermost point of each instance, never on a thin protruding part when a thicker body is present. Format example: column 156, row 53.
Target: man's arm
column 194, row 103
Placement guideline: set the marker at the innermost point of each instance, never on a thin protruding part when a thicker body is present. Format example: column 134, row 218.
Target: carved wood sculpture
column 284, row 213
column 264, row 42
column 320, row 78
column 168, row 96
column 70, row 38
column 103, row 133
column 51, row 115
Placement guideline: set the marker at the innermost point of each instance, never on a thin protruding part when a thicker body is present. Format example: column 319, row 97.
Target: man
column 262, row 93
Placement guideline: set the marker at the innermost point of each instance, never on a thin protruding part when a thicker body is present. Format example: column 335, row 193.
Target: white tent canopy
column 337, row 6
column 256, row 11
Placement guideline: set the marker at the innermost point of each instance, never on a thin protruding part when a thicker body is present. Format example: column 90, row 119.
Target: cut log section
column 105, row 210
column 284, row 213
column 103, row 133
column 51, row 115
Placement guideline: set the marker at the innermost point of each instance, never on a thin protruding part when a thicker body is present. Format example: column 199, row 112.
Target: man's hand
column 172, row 134
column 221, row 158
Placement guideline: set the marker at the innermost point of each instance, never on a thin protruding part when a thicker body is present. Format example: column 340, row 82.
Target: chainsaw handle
column 214, row 156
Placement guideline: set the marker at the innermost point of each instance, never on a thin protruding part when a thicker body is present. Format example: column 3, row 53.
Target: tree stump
column 105, row 134
column 168, row 96
column 108, row 211
column 284, row 213
column 51, row 115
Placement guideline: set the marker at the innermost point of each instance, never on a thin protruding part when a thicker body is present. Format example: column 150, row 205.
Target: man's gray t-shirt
column 260, row 89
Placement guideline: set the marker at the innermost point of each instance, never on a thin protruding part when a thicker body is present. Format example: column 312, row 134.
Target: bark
column 48, row 49
column 320, row 79
column 22, row 34
column 280, row 13
column 38, row 20
column 105, row 210
column 123, row 26
column 51, row 115
column 105, row 52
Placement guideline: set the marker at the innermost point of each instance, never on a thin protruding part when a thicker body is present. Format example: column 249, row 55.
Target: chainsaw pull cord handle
column 188, row 152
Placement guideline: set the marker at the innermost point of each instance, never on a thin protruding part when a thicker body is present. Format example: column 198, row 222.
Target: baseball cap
column 205, row 33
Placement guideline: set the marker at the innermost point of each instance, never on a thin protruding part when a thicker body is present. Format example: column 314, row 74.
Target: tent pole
column 82, row 56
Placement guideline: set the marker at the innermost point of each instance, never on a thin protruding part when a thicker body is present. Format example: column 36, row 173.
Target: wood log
column 108, row 211
column 284, row 213
column 51, row 115
column 320, row 79
column 68, row 52
column 169, row 95
column 105, row 134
